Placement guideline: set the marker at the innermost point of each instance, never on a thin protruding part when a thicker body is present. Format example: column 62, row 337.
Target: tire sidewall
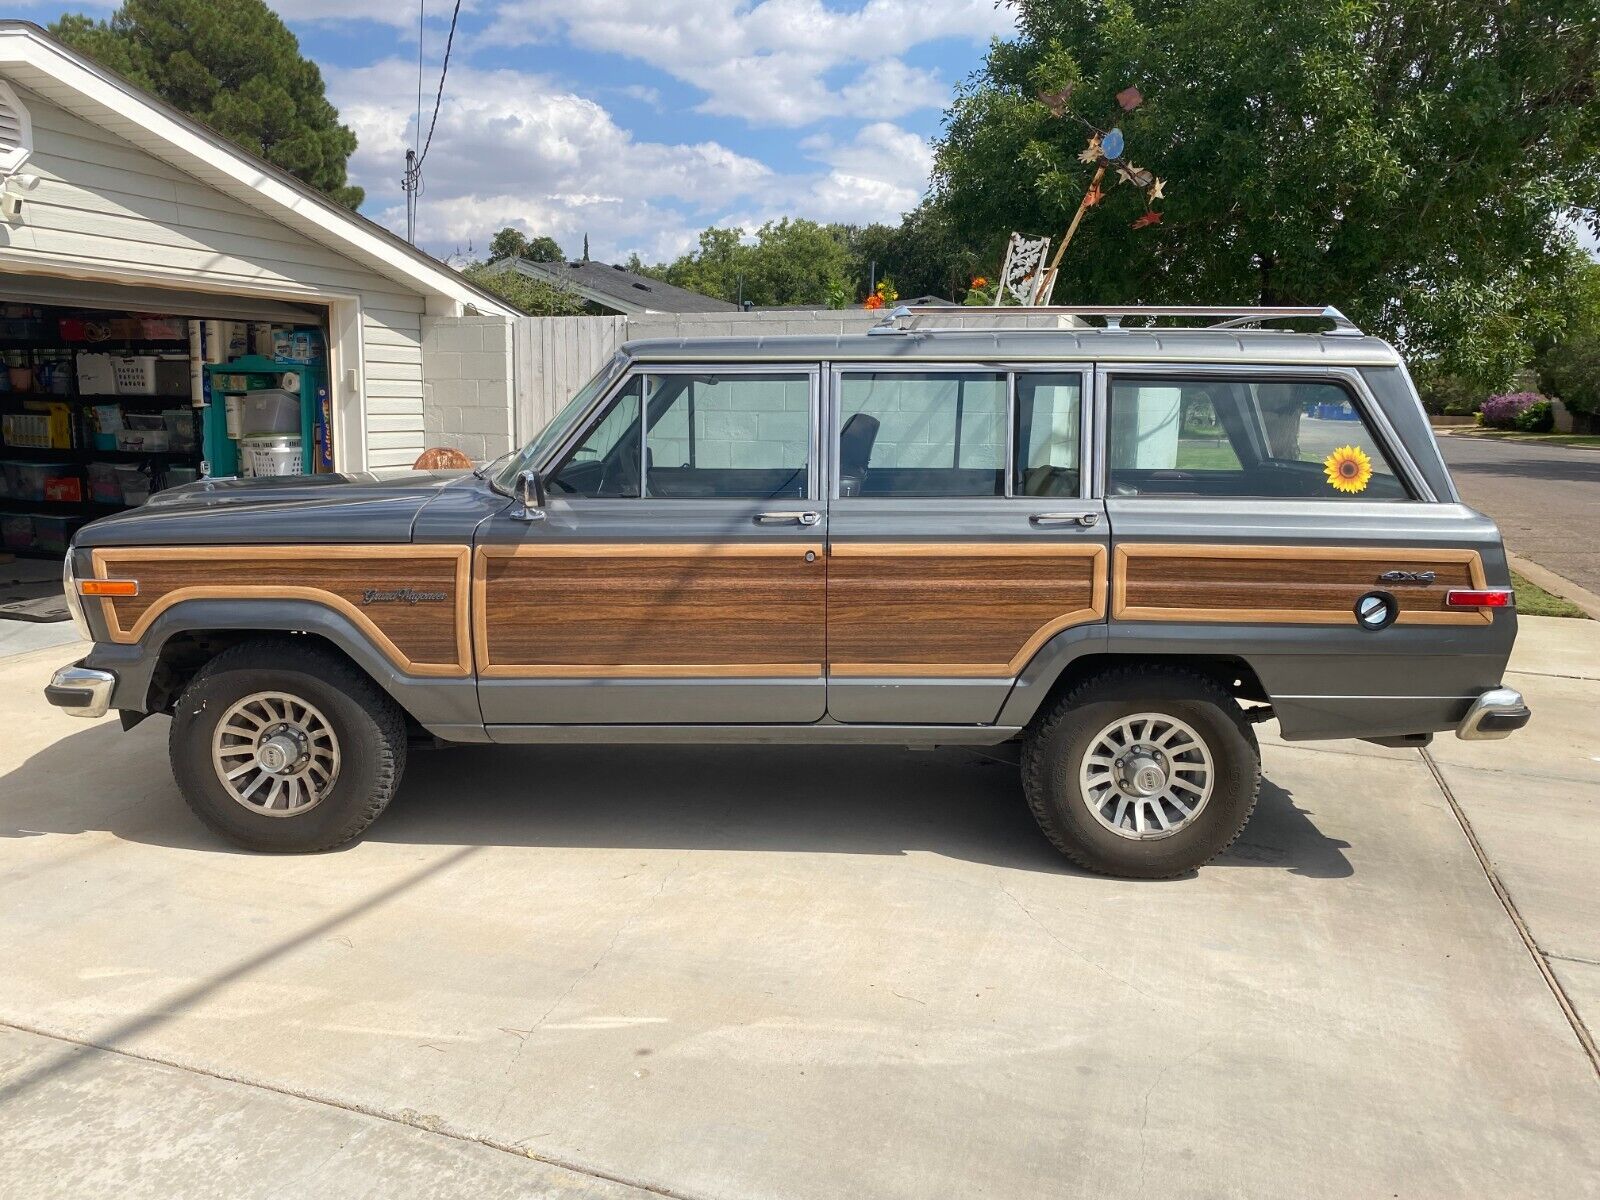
column 1059, row 753
column 334, row 819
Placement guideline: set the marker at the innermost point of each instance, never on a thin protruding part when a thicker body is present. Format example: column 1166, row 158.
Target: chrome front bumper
column 82, row 691
column 1497, row 713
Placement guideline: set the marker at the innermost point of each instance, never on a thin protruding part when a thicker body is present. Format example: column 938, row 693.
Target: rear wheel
column 1142, row 773
column 285, row 747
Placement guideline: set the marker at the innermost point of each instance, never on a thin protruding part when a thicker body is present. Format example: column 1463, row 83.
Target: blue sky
column 640, row 122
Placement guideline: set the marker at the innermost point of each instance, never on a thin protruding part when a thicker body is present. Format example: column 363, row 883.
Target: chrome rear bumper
column 1497, row 713
column 82, row 691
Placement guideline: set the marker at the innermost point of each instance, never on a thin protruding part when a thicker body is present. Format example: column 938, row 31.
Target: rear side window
column 1244, row 437
column 911, row 434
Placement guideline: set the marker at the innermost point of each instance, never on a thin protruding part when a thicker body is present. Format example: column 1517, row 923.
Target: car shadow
column 962, row 803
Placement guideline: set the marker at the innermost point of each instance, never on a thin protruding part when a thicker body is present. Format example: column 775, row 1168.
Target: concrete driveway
column 1546, row 499
column 803, row 973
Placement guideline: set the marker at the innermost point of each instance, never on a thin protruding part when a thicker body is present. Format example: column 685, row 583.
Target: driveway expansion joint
column 1579, row 1029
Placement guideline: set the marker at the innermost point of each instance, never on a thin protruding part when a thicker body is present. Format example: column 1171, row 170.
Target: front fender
column 447, row 707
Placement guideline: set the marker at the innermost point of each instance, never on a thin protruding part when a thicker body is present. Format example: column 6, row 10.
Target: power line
column 411, row 182
column 444, row 70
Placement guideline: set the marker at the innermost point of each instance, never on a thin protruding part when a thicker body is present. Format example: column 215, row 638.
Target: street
column 1546, row 500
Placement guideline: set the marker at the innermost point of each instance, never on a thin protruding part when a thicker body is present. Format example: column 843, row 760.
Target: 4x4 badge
column 1407, row 577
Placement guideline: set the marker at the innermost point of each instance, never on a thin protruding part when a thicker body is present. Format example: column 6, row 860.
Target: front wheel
column 286, row 747
column 1143, row 773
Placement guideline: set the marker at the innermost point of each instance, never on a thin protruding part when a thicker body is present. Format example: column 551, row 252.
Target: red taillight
column 1486, row 598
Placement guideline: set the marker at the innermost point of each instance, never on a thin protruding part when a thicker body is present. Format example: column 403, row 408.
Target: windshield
column 506, row 477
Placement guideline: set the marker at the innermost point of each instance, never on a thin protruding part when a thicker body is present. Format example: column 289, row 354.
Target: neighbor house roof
column 616, row 288
column 39, row 62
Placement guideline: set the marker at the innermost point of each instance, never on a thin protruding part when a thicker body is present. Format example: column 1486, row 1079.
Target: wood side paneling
column 649, row 609
column 957, row 609
column 425, row 637
column 1301, row 585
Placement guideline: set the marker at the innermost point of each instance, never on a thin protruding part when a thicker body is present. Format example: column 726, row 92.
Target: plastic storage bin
column 178, row 476
column 272, row 410
column 16, row 531
column 34, row 481
column 181, row 424
column 135, row 484
column 143, row 441
column 135, row 376
column 96, row 376
column 52, row 535
column 105, row 486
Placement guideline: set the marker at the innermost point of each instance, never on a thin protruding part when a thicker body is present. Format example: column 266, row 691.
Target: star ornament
column 1149, row 218
column 1093, row 196
column 1091, row 152
column 1156, row 189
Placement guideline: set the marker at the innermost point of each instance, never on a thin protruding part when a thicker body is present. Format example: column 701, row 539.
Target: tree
column 536, row 297
column 509, row 242
column 1569, row 365
column 543, row 249
column 1404, row 160
column 235, row 66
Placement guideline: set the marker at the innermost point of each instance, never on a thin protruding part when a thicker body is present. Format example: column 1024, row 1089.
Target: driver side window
column 605, row 464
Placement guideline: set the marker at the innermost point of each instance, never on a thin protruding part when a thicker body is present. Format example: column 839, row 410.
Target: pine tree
column 234, row 65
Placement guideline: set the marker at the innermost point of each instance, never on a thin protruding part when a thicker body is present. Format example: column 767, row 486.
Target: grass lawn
column 1534, row 601
column 1587, row 441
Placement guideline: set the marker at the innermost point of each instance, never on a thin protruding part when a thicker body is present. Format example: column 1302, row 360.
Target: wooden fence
column 552, row 358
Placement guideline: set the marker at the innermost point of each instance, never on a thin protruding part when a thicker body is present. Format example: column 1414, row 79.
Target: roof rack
column 1234, row 316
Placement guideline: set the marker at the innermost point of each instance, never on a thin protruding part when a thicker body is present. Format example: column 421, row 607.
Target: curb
column 1556, row 585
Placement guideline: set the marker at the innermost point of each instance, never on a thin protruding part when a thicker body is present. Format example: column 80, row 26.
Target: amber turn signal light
column 108, row 587
column 1483, row 598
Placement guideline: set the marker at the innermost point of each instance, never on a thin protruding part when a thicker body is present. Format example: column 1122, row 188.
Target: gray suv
column 1120, row 547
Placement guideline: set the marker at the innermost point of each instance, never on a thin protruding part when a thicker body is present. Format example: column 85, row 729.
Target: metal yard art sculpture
column 1021, row 278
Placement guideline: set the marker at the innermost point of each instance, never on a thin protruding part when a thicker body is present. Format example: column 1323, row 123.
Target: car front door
column 963, row 536
column 675, row 574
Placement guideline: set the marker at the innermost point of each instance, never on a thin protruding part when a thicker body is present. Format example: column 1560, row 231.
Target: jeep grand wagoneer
column 1122, row 547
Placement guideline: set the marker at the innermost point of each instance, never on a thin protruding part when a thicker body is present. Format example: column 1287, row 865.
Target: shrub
column 1536, row 418
column 1502, row 412
column 1450, row 395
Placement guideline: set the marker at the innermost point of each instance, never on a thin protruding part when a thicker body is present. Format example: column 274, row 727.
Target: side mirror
column 531, row 497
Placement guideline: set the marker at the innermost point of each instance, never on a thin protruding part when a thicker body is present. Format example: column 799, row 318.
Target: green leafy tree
column 1414, row 163
column 1569, row 365
column 235, row 66
column 508, row 242
column 536, row 297
column 543, row 249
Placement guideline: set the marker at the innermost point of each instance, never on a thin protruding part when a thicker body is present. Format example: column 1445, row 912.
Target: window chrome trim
column 1366, row 404
column 646, row 368
column 1010, row 368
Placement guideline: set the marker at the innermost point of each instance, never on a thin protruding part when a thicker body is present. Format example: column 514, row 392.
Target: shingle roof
column 617, row 287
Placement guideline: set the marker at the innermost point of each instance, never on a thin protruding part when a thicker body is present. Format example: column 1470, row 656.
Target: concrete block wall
column 467, row 382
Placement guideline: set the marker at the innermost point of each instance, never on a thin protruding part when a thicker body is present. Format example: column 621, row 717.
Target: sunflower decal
column 1349, row 469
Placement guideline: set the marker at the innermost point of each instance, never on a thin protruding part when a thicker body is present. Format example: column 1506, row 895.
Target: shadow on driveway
column 961, row 803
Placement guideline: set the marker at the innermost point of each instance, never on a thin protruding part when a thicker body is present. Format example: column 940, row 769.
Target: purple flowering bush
column 1506, row 411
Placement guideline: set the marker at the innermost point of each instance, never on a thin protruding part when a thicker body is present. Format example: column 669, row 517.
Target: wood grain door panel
column 1302, row 585
column 409, row 600
column 649, row 610
column 955, row 609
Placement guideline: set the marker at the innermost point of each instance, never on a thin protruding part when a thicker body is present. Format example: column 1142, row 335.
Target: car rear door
column 676, row 574
column 1273, row 514
column 962, row 535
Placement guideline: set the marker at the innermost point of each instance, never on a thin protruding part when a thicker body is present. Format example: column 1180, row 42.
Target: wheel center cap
column 1144, row 776
column 280, row 753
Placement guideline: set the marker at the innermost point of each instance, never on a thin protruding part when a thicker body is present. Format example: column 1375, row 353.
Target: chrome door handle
column 1087, row 520
column 784, row 518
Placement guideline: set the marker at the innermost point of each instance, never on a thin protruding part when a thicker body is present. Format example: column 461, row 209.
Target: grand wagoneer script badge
column 400, row 596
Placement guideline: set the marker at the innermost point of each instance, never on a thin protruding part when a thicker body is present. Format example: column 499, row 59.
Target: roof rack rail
column 1234, row 316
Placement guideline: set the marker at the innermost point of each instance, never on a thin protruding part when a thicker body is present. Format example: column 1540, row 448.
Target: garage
column 172, row 306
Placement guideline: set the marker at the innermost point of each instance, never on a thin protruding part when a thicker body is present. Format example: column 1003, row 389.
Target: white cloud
column 517, row 149
column 767, row 62
column 512, row 148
